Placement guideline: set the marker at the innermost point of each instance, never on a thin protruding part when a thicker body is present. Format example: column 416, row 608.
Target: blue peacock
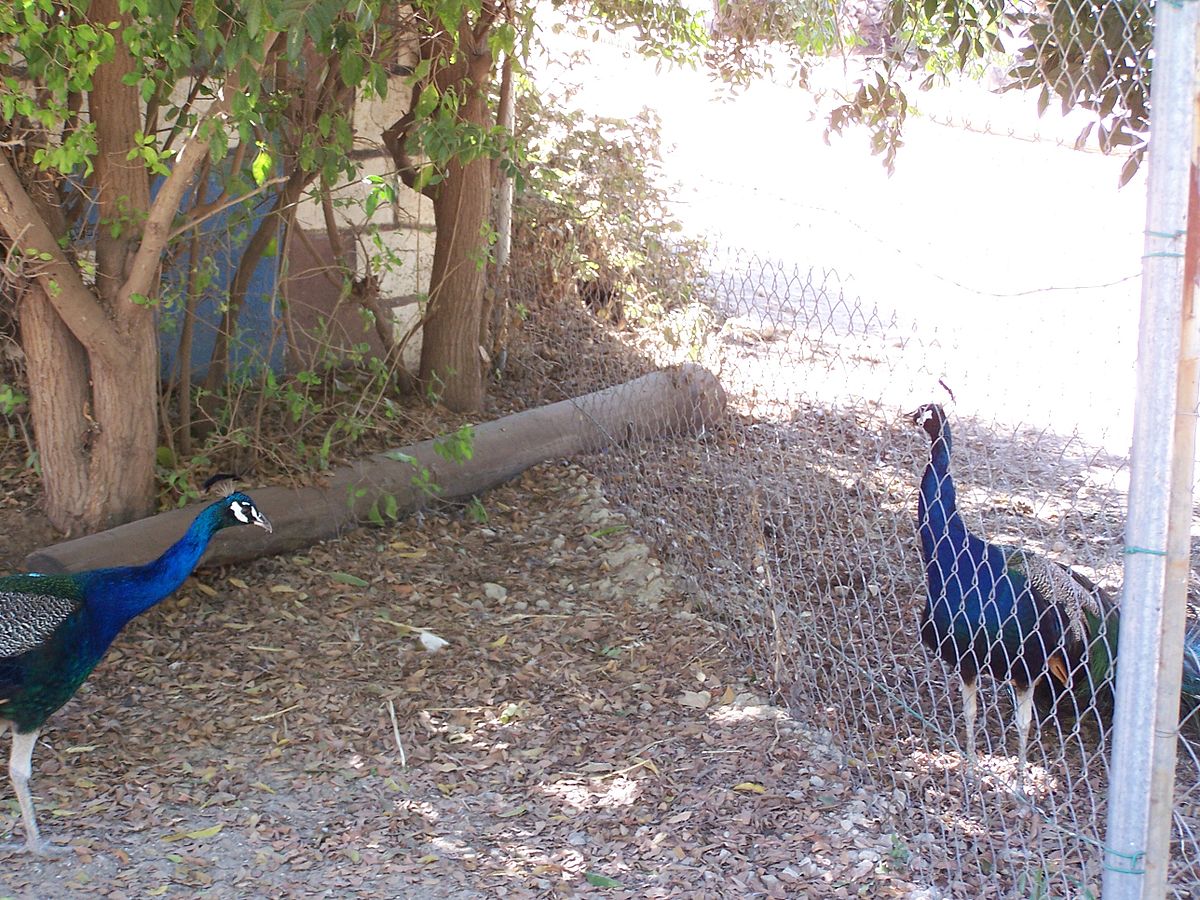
column 1189, row 692
column 1006, row 612
column 55, row 629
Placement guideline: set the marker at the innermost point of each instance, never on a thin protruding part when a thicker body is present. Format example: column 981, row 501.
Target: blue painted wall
column 259, row 339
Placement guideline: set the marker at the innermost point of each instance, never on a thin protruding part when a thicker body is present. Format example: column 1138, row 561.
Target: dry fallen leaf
column 197, row 835
column 750, row 787
column 695, row 699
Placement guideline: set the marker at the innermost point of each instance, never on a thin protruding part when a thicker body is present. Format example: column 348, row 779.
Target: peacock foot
column 40, row 849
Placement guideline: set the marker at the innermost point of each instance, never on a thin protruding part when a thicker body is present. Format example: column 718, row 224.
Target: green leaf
column 611, row 529
column 595, row 879
column 254, row 19
column 347, row 578
column 427, row 102
column 421, row 72
column 262, row 165
column 352, row 67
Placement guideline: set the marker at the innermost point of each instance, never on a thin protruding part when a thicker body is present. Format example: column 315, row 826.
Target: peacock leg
column 970, row 701
column 1024, row 720
column 20, row 769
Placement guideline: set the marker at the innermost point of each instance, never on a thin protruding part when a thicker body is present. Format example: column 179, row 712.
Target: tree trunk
column 59, row 401
column 93, row 405
column 121, row 469
column 451, row 363
column 121, row 474
column 451, row 367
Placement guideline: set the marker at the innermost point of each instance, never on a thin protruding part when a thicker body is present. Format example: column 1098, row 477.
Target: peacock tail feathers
column 1189, row 693
column 1055, row 585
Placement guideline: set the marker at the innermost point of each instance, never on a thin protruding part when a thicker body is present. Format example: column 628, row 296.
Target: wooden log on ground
column 678, row 401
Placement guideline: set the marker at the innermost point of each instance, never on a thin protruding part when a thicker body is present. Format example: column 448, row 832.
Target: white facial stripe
column 239, row 511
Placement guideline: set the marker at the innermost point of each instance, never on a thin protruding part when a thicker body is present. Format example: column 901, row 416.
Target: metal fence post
column 1153, row 609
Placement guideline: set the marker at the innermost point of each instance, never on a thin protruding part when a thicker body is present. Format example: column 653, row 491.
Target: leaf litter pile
column 523, row 707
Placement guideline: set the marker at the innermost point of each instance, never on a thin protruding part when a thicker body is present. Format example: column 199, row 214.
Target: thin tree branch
column 58, row 279
column 210, row 210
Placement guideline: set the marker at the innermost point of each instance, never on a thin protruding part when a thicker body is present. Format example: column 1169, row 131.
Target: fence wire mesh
column 794, row 520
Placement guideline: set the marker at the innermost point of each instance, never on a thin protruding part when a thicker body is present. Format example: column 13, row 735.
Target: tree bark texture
column 59, row 399
column 124, row 390
column 451, row 366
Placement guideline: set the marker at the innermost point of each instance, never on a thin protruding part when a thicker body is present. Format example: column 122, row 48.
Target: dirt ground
column 281, row 729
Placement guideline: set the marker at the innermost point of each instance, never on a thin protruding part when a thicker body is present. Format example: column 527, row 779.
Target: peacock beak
column 263, row 522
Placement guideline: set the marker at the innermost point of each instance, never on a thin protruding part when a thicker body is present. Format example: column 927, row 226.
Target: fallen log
column 681, row 400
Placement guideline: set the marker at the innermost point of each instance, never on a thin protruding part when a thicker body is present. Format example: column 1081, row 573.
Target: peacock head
column 931, row 418
column 238, row 509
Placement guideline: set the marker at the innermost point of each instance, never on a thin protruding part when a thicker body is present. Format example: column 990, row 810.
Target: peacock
column 1189, row 691
column 55, row 629
column 1006, row 612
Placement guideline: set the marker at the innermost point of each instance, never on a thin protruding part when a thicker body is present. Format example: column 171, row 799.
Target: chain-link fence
column 796, row 524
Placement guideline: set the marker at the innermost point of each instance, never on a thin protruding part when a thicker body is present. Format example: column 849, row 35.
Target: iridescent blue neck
column 937, row 508
column 118, row 594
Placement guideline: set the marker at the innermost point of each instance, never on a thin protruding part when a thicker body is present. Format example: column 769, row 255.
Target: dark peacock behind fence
column 1013, row 615
column 1006, row 612
column 55, row 629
